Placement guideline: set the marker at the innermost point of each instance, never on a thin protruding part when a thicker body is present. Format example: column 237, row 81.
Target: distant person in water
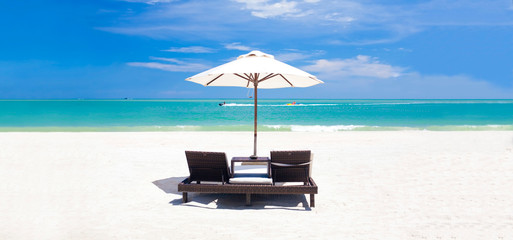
column 222, row 104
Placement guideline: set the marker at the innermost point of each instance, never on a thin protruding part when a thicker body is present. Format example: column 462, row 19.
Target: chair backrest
column 208, row 166
column 290, row 166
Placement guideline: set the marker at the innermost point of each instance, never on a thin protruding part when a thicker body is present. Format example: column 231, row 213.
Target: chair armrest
column 290, row 165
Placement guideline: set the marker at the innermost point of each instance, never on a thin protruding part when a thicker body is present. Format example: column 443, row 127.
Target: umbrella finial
column 256, row 54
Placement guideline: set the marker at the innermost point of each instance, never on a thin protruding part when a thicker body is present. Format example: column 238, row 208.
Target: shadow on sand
column 232, row 201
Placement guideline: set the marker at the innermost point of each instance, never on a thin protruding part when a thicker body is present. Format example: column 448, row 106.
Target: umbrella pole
column 255, row 123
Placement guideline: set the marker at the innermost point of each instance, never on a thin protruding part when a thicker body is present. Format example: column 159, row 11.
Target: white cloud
column 444, row 86
column 237, row 46
column 193, row 49
column 415, row 85
column 173, row 60
column 366, row 77
column 267, row 9
column 337, row 17
column 360, row 66
column 289, row 57
column 171, row 65
column 294, row 55
column 348, row 22
column 329, row 22
column 151, row 2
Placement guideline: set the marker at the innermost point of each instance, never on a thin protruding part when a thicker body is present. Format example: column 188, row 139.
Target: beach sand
column 372, row 185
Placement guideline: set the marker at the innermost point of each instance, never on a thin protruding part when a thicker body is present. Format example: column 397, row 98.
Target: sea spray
column 273, row 115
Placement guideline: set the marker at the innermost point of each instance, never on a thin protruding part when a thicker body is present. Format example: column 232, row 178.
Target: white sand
column 372, row 185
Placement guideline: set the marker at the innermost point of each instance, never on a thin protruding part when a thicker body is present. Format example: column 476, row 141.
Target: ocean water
column 237, row 115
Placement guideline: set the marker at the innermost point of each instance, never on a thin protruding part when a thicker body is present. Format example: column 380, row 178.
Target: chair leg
column 184, row 197
column 248, row 199
column 312, row 200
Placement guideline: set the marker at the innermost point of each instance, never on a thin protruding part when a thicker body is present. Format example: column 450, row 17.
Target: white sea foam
column 319, row 128
column 435, row 102
column 238, row 105
column 315, row 128
column 374, row 103
column 304, row 105
column 276, row 105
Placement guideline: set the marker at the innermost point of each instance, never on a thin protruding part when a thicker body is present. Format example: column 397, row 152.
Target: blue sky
column 359, row 48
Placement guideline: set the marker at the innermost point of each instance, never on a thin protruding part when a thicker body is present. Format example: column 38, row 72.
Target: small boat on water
column 290, row 104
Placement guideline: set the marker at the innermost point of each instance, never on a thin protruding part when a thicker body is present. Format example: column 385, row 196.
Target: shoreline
column 372, row 185
column 261, row 128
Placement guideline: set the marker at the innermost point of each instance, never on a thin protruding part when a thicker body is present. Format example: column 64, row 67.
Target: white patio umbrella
column 255, row 70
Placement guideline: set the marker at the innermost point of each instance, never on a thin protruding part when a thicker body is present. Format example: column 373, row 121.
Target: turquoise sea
column 237, row 115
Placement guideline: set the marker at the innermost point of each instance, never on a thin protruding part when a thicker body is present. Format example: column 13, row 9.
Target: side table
column 251, row 160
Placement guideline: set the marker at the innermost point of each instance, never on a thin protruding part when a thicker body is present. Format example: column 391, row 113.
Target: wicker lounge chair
column 290, row 166
column 202, row 169
column 208, row 166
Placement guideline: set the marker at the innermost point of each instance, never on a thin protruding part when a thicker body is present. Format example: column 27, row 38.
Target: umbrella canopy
column 255, row 70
